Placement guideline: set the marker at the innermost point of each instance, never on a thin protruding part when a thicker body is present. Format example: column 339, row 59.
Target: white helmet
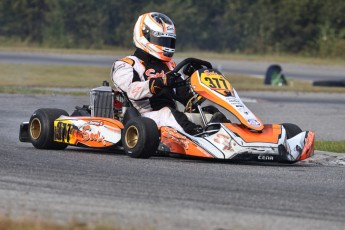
column 155, row 34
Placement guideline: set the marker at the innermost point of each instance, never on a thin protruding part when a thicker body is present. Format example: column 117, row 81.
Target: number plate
column 216, row 82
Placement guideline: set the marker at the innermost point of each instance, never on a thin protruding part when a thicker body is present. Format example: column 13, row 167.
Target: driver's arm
column 127, row 79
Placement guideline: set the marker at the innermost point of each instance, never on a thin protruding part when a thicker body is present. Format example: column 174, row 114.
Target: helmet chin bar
column 164, row 55
column 168, row 54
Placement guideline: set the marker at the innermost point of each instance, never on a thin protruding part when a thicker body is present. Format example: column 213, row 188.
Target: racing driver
column 146, row 75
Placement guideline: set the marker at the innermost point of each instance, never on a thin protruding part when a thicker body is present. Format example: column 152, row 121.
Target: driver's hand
column 156, row 85
column 168, row 80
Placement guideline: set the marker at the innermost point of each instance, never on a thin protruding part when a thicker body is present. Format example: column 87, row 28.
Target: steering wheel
column 191, row 61
column 185, row 62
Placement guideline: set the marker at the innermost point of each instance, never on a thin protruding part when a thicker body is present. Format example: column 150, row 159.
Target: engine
column 102, row 102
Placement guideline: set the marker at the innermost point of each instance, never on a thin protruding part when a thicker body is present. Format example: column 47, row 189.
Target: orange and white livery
column 247, row 140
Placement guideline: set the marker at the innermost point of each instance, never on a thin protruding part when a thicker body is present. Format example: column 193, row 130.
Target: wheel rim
column 35, row 128
column 131, row 137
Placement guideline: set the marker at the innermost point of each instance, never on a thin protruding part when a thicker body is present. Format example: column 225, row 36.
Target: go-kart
column 111, row 122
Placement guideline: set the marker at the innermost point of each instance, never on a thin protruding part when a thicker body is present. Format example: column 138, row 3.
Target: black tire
column 41, row 129
column 291, row 130
column 330, row 83
column 140, row 137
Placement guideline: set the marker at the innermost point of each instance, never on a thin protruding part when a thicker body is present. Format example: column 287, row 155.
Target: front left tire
column 140, row 137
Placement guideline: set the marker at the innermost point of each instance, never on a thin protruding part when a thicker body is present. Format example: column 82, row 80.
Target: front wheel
column 140, row 137
column 41, row 129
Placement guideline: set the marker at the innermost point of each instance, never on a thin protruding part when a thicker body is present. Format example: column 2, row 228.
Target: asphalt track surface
column 163, row 192
column 291, row 71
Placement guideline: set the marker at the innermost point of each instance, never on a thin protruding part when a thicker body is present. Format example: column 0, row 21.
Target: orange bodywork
column 206, row 90
column 269, row 134
column 178, row 143
column 308, row 149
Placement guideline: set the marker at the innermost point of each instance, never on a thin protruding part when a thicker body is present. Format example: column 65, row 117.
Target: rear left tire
column 41, row 129
column 140, row 137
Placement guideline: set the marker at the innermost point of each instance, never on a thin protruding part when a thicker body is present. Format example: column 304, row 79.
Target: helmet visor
column 168, row 42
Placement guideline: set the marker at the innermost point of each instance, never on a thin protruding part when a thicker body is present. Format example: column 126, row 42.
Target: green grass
column 32, row 224
column 24, row 75
column 29, row 90
column 36, row 49
column 282, row 58
column 330, row 146
column 37, row 79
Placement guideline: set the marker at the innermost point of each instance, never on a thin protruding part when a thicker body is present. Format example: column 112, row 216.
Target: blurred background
column 302, row 27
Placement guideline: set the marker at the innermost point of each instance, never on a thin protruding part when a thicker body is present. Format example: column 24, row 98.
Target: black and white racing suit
column 132, row 75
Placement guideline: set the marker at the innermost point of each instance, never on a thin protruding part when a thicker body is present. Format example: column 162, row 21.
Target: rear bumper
column 24, row 132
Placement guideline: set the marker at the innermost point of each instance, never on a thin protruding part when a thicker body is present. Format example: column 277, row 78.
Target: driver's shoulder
column 131, row 60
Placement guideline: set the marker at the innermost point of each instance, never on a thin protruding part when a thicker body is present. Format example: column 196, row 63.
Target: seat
column 196, row 118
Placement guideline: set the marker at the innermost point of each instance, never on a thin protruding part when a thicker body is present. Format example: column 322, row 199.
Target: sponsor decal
column 253, row 122
column 235, row 102
column 266, row 158
column 207, row 72
column 88, row 135
column 224, row 140
column 160, row 34
column 175, row 136
column 136, row 89
column 169, row 27
column 151, row 73
column 97, row 123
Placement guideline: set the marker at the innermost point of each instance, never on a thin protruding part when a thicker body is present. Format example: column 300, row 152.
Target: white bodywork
column 225, row 144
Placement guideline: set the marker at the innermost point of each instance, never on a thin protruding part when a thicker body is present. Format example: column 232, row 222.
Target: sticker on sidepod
column 92, row 133
column 254, row 122
column 225, row 143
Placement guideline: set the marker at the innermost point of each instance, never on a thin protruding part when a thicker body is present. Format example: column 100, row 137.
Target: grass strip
column 32, row 224
column 46, row 79
column 26, row 75
column 110, row 50
column 45, row 91
column 330, row 146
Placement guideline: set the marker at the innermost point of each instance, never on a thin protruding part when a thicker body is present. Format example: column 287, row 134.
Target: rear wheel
column 291, row 130
column 140, row 137
column 41, row 129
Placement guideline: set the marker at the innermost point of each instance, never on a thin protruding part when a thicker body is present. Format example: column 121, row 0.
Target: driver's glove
column 168, row 80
